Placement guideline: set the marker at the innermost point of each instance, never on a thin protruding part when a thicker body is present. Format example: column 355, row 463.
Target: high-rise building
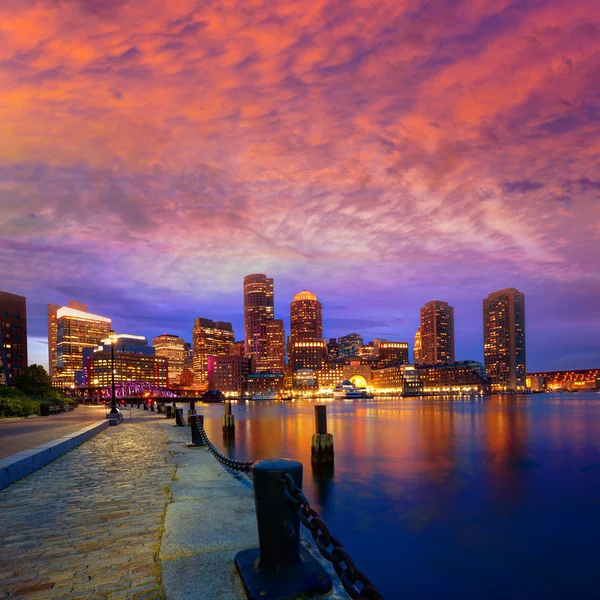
column 349, row 345
column 172, row 347
column 306, row 317
column 332, row 349
column 418, row 347
column 437, row 333
column 209, row 338
column 75, row 330
column 52, row 330
column 237, row 348
column 13, row 336
column 308, row 354
column 275, row 336
column 504, row 339
column 258, row 310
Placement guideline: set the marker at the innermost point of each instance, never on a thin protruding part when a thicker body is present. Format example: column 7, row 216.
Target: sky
column 379, row 154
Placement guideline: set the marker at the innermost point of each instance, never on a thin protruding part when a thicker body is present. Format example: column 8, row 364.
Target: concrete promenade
column 88, row 525
column 17, row 435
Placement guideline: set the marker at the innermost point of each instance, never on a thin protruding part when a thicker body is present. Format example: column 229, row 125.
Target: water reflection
column 472, row 498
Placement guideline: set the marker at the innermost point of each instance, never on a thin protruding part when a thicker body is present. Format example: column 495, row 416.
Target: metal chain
column 237, row 465
column 337, row 555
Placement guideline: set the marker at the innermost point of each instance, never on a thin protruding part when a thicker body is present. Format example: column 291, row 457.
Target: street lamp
column 112, row 338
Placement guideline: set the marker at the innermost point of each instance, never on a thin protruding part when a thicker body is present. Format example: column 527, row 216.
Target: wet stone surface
column 88, row 524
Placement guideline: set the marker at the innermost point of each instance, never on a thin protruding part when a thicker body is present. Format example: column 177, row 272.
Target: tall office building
column 275, row 336
column 306, row 346
column 209, row 338
column 52, row 330
column 349, row 345
column 332, row 349
column 13, row 336
column 392, row 353
column 437, row 333
column 504, row 339
column 75, row 330
column 172, row 347
column 258, row 311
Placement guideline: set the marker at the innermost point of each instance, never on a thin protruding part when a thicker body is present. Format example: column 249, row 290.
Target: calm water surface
column 491, row 498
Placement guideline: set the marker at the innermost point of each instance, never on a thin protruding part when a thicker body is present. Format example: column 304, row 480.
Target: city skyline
column 380, row 156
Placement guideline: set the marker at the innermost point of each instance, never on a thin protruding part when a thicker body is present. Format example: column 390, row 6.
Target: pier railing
column 280, row 506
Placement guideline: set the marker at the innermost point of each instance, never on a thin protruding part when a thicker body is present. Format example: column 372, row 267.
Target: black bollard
column 159, row 408
column 197, row 422
column 152, row 406
column 280, row 567
column 169, row 410
column 139, row 403
column 179, row 422
column 322, row 442
column 145, row 406
column 228, row 423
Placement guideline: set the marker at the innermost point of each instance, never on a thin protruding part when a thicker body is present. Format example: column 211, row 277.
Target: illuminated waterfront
column 491, row 498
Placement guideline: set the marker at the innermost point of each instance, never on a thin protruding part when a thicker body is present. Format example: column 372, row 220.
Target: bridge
column 126, row 389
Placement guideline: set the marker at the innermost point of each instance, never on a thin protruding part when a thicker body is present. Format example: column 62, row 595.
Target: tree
column 36, row 383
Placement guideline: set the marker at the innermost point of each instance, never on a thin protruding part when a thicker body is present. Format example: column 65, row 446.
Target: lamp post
column 113, row 340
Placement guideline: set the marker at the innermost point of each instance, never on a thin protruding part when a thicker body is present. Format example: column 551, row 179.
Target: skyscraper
column 417, row 349
column 437, row 333
column 504, row 339
column 52, row 330
column 75, row 330
column 275, row 336
column 13, row 336
column 306, row 346
column 209, row 338
column 172, row 347
column 258, row 310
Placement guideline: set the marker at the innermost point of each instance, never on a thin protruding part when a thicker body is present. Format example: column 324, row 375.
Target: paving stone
column 82, row 525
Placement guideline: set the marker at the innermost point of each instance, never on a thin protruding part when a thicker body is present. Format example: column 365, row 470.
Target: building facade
column 571, row 381
column 436, row 333
column 261, row 383
column 504, row 340
column 75, row 330
column 258, row 311
column 397, row 379
column 308, row 354
column 392, row 353
column 465, row 376
column 349, row 345
column 417, row 347
column 209, row 338
column 306, row 317
column 53, row 330
column 172, row 347
column 228, row 374
column 275, row 350
column 332, row 349
column 13, row 336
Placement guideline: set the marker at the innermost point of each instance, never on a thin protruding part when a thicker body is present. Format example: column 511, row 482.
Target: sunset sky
column 378, row 153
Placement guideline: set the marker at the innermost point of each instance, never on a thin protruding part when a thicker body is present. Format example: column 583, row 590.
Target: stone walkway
column 89, row 524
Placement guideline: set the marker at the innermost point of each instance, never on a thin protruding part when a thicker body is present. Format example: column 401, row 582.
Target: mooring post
column 179, row 422
column 191, row 411
column 169, row 411
column 159, row 407
column 152, row 405
column 196, row 422
column 322, row 442
column 280, row 567
column 227, row 421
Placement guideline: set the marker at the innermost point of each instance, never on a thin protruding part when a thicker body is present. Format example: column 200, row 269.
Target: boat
column 348, row 391
column 268, row 395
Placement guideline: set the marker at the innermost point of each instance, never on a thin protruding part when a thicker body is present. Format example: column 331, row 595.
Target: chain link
column 338, row 556
column 236, row 465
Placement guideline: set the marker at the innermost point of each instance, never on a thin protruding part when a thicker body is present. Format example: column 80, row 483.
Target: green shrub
column 14, row 403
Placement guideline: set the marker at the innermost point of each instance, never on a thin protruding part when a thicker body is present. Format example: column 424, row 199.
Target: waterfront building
column 275, row 350
column 436, row 333
column 536, row 383
column 76, row 329
column 228, row 374
column 13, row 336
column 504, row 340
column 349, row 345
column 417, row 348
column 368, row 353
column 305, row 379
column 172, row 347
column 397, row 379
column 134, row 361
column 261, row 383
column 392, row 353
column 209, row 338
column 465, row 376
column 258, row 311
column 569, row 381
column 332, row 349
column 308, row 354
column 53, row 330
column 333, row 373
column 306, row 317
